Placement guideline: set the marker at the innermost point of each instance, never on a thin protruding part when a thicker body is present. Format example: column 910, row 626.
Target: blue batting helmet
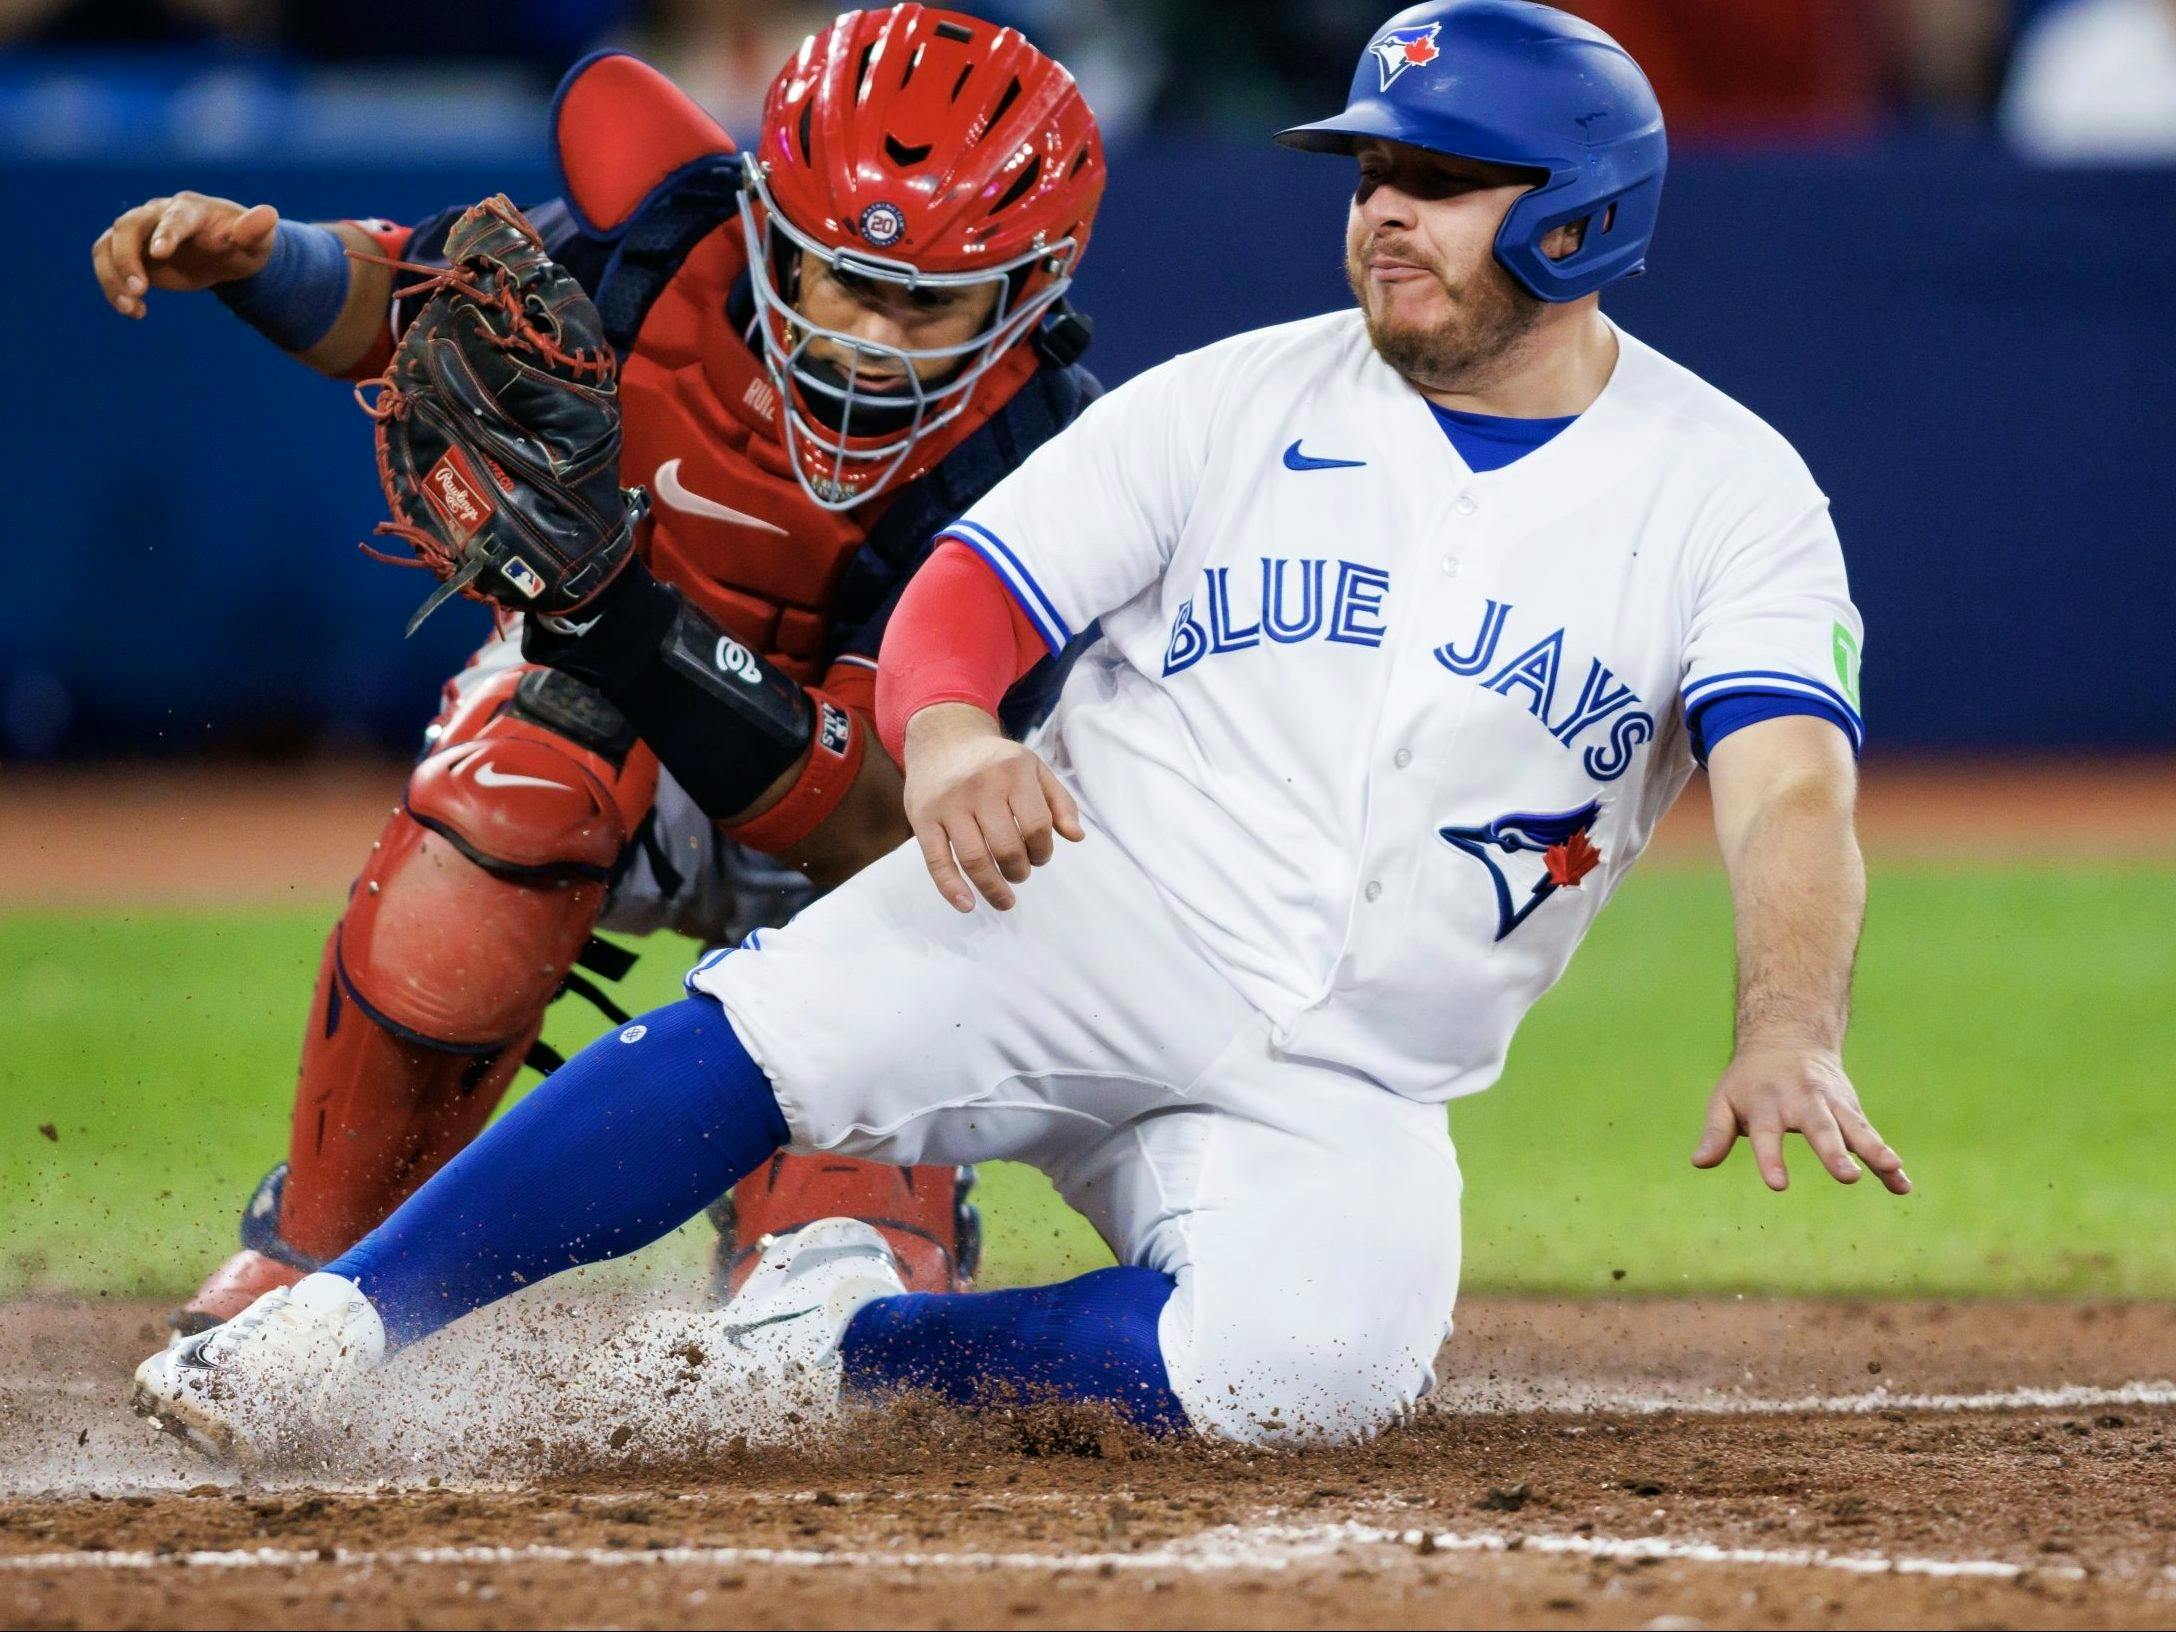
column 1514, row 83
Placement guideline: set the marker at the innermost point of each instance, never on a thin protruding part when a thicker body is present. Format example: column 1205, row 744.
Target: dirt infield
column 1621, row 1462
column 223, row 835
column 1633, row 1463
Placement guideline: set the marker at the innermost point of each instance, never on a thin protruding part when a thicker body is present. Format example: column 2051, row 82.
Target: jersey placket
column 1462, row 559
column 1418, row 725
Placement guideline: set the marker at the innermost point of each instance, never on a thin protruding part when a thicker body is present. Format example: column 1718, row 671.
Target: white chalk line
column 2063, row 1397
column 1475, row 1400
column 1234, row 1548
column 1223, row 1549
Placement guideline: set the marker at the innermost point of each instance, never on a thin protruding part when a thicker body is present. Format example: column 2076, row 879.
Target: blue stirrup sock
column 1091, row 1340
column 622, row 1144
column 297, row 296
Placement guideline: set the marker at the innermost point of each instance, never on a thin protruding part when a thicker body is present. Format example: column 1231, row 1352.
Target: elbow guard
column 726, row 722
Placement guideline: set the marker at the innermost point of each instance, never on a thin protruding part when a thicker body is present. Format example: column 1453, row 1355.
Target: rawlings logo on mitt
column 498, row 427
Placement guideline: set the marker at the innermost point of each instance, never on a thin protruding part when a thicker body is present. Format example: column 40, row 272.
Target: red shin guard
column 478, row 896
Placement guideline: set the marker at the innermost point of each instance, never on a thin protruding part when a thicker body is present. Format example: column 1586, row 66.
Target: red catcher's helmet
column 922, row 149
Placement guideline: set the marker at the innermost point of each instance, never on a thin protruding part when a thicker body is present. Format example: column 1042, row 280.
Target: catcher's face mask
column 853, row 409
column 919, row 149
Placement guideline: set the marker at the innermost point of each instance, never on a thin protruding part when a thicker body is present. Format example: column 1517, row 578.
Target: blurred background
column 1929, row 240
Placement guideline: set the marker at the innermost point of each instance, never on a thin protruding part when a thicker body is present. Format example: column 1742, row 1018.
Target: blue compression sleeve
column 1091, row 1339
column 295, row 300
column 626, row 1141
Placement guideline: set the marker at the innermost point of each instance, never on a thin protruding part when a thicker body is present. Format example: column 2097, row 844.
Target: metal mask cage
column 850, row 471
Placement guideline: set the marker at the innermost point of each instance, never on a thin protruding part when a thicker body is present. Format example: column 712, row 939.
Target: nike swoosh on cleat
column 671, row 491
column 734, row 1334
column 1296, row 460
column 490, row 776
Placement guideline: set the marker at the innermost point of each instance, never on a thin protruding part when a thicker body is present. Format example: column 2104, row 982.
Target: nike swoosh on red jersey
column 671, row 491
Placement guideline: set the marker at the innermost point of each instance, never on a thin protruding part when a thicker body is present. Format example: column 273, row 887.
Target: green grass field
column 2016, row 1040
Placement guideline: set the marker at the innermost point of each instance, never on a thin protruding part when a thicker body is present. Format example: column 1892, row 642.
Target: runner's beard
column 1464, row 349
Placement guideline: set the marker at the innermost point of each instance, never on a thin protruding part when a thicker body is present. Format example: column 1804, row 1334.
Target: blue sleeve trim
column 1717, row 717
column 1041, row 611
column 1775, row 682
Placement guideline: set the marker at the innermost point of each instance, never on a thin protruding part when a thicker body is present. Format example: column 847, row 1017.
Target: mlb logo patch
column 522, row 576
column 835, row 732
column 451, row 488
column 1404, row 48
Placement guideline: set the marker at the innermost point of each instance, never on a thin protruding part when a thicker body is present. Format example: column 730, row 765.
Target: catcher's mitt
column 498, row 427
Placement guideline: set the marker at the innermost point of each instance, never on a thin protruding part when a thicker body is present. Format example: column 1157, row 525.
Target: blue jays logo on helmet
column 1559, row 837
column 1404, row 48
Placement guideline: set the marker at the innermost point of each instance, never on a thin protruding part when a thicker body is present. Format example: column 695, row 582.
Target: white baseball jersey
column 1385, row 732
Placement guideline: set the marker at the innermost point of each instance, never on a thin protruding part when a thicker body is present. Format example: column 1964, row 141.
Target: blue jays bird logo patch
column 1558, row 837
column 1404, row 48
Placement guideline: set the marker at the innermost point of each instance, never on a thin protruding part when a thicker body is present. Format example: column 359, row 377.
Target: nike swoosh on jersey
column 1296, row 460
column 490, row 776
column 671, row 491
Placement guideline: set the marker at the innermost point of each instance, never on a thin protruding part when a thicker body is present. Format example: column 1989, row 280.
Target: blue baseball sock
column 1090, row 1339
column 626, row 1141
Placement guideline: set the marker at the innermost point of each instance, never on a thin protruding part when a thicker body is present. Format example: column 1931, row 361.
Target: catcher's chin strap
column 383, row 400
column 600, row 957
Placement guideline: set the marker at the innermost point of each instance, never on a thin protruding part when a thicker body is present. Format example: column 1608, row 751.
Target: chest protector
column 652, row 180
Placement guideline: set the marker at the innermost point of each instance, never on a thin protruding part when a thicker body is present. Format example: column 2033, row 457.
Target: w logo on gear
column 1404, row 48
column 1560, row 838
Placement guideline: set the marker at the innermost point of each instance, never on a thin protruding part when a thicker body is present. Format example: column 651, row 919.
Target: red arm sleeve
column 958, row 636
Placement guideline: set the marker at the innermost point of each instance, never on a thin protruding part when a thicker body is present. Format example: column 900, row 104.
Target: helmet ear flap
column 1615, row 231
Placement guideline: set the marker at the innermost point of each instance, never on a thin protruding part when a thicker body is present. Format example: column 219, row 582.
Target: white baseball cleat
column 764, row 1367
column 248, row 1389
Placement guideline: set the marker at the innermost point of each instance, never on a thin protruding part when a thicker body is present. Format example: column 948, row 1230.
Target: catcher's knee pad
column 534, row 773
column 491, row 875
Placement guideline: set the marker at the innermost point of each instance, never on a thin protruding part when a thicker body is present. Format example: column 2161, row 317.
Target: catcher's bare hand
column 188, row 241
column 981, row 804
column 1774, row 1088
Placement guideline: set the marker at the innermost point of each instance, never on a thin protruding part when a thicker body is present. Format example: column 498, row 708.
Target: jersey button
column 1451, row 566
column 1466, row 504
column 1374, row 891
column 1402, row 758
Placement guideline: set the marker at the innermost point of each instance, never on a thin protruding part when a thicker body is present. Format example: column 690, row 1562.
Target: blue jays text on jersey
column 1311, row 598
